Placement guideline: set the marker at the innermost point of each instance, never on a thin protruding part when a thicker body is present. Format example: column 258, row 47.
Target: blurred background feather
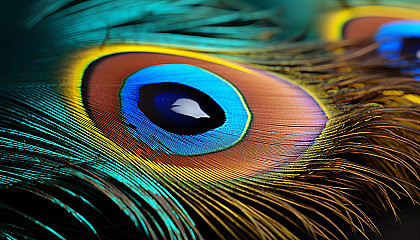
column 320, row 132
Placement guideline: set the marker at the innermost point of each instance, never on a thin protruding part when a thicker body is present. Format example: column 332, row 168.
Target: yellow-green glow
column 332, row 24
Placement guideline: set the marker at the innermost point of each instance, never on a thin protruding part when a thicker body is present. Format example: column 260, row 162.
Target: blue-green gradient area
column 221, row 91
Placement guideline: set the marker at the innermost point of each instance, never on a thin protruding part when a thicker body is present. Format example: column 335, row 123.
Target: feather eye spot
column 122, row 90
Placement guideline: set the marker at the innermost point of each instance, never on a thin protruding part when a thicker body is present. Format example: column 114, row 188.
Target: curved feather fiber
column 62, row 178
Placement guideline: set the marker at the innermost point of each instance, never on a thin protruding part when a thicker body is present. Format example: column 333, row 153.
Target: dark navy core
column 410, row 46
column 180, row 109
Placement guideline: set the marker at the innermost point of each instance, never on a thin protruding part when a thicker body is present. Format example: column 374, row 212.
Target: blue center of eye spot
column 183, row 109
column 400, row 41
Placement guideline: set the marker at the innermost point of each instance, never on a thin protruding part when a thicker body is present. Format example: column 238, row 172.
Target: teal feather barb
column 200, row 119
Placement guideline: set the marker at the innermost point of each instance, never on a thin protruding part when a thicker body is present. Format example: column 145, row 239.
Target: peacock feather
column 205, row 119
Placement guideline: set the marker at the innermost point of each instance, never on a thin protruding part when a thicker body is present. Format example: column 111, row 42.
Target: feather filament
column 366, row 157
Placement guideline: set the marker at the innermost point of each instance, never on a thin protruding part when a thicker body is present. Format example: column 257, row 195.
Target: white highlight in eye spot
column 189, row 108
column 418, row 54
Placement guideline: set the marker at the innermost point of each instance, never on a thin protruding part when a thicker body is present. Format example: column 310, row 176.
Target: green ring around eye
column 185, row 109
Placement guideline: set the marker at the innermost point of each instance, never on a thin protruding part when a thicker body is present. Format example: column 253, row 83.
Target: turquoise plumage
column 202, row 119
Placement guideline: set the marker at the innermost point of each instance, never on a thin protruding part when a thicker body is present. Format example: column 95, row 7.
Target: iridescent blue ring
column 237, row 121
